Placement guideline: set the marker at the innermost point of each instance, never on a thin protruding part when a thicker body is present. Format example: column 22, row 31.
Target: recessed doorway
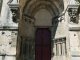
column 43, row 44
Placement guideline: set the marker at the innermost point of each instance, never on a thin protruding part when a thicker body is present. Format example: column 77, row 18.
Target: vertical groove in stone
column 21, row 48
column 24, row 48
column 55, row 48
column 33, row 51
column 65, row 48
column 28, row 50
column 62, row 49
column 59, row 48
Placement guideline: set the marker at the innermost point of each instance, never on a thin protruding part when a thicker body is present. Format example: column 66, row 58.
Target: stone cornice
column 9, row 28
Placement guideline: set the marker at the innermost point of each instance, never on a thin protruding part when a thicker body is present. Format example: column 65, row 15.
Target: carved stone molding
column 14, row 9
column 28, row 39
column 74, row 29
column 72, row 11
column 28, row 19
column 58, row 18
column 60, row 38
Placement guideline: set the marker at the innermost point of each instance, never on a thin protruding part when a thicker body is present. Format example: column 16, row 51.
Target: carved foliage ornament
column 28, row 18
column 72, row 11
column 14, row 9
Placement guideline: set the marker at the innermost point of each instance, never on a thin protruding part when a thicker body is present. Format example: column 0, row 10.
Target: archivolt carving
column 43, row 7
column 31, row 6
column 28, row 18
column 72, row 11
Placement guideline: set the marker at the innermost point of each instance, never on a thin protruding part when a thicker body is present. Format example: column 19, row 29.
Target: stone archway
column 27, row 24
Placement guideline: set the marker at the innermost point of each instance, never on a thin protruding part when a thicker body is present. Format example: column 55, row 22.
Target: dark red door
column 42, row 51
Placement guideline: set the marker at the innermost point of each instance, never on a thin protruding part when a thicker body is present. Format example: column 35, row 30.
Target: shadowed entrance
column 43, row 49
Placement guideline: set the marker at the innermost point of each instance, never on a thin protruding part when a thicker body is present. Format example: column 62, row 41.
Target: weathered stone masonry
column 20, row 19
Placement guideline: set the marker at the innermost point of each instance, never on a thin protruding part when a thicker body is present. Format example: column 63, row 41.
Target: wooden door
column 42, row 48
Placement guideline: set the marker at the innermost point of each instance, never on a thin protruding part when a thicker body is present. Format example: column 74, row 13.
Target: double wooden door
column 42, row 48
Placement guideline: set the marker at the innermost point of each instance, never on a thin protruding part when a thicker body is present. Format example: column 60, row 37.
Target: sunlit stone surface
column 20, row 19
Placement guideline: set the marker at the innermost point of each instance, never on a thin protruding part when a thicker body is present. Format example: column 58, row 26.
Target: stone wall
column 28, row 29
column 72, row 32
column 8, row 33
column 31, row 19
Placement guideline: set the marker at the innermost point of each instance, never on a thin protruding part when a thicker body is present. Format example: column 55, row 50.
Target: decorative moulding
column 74, row 29
column 15, row 11
column 28, row 18
column 72, row 11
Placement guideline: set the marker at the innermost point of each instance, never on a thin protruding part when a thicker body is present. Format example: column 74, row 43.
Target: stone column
column 55, row 48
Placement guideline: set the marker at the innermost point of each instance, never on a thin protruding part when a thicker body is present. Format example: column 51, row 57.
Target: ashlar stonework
column 39, row 29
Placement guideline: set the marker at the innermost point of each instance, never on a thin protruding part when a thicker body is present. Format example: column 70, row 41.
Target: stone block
column 10, row 58
column 74, row 40
column 75, row 53
column 0, row 57
column 75, row 58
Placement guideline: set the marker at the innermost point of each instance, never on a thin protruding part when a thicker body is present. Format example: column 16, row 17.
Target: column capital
column 72, row 11
column 14, row 9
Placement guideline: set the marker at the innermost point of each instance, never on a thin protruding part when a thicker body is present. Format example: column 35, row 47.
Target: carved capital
column 14, row 9
column 77, row 1
column 72, row 11
column 28, row 19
